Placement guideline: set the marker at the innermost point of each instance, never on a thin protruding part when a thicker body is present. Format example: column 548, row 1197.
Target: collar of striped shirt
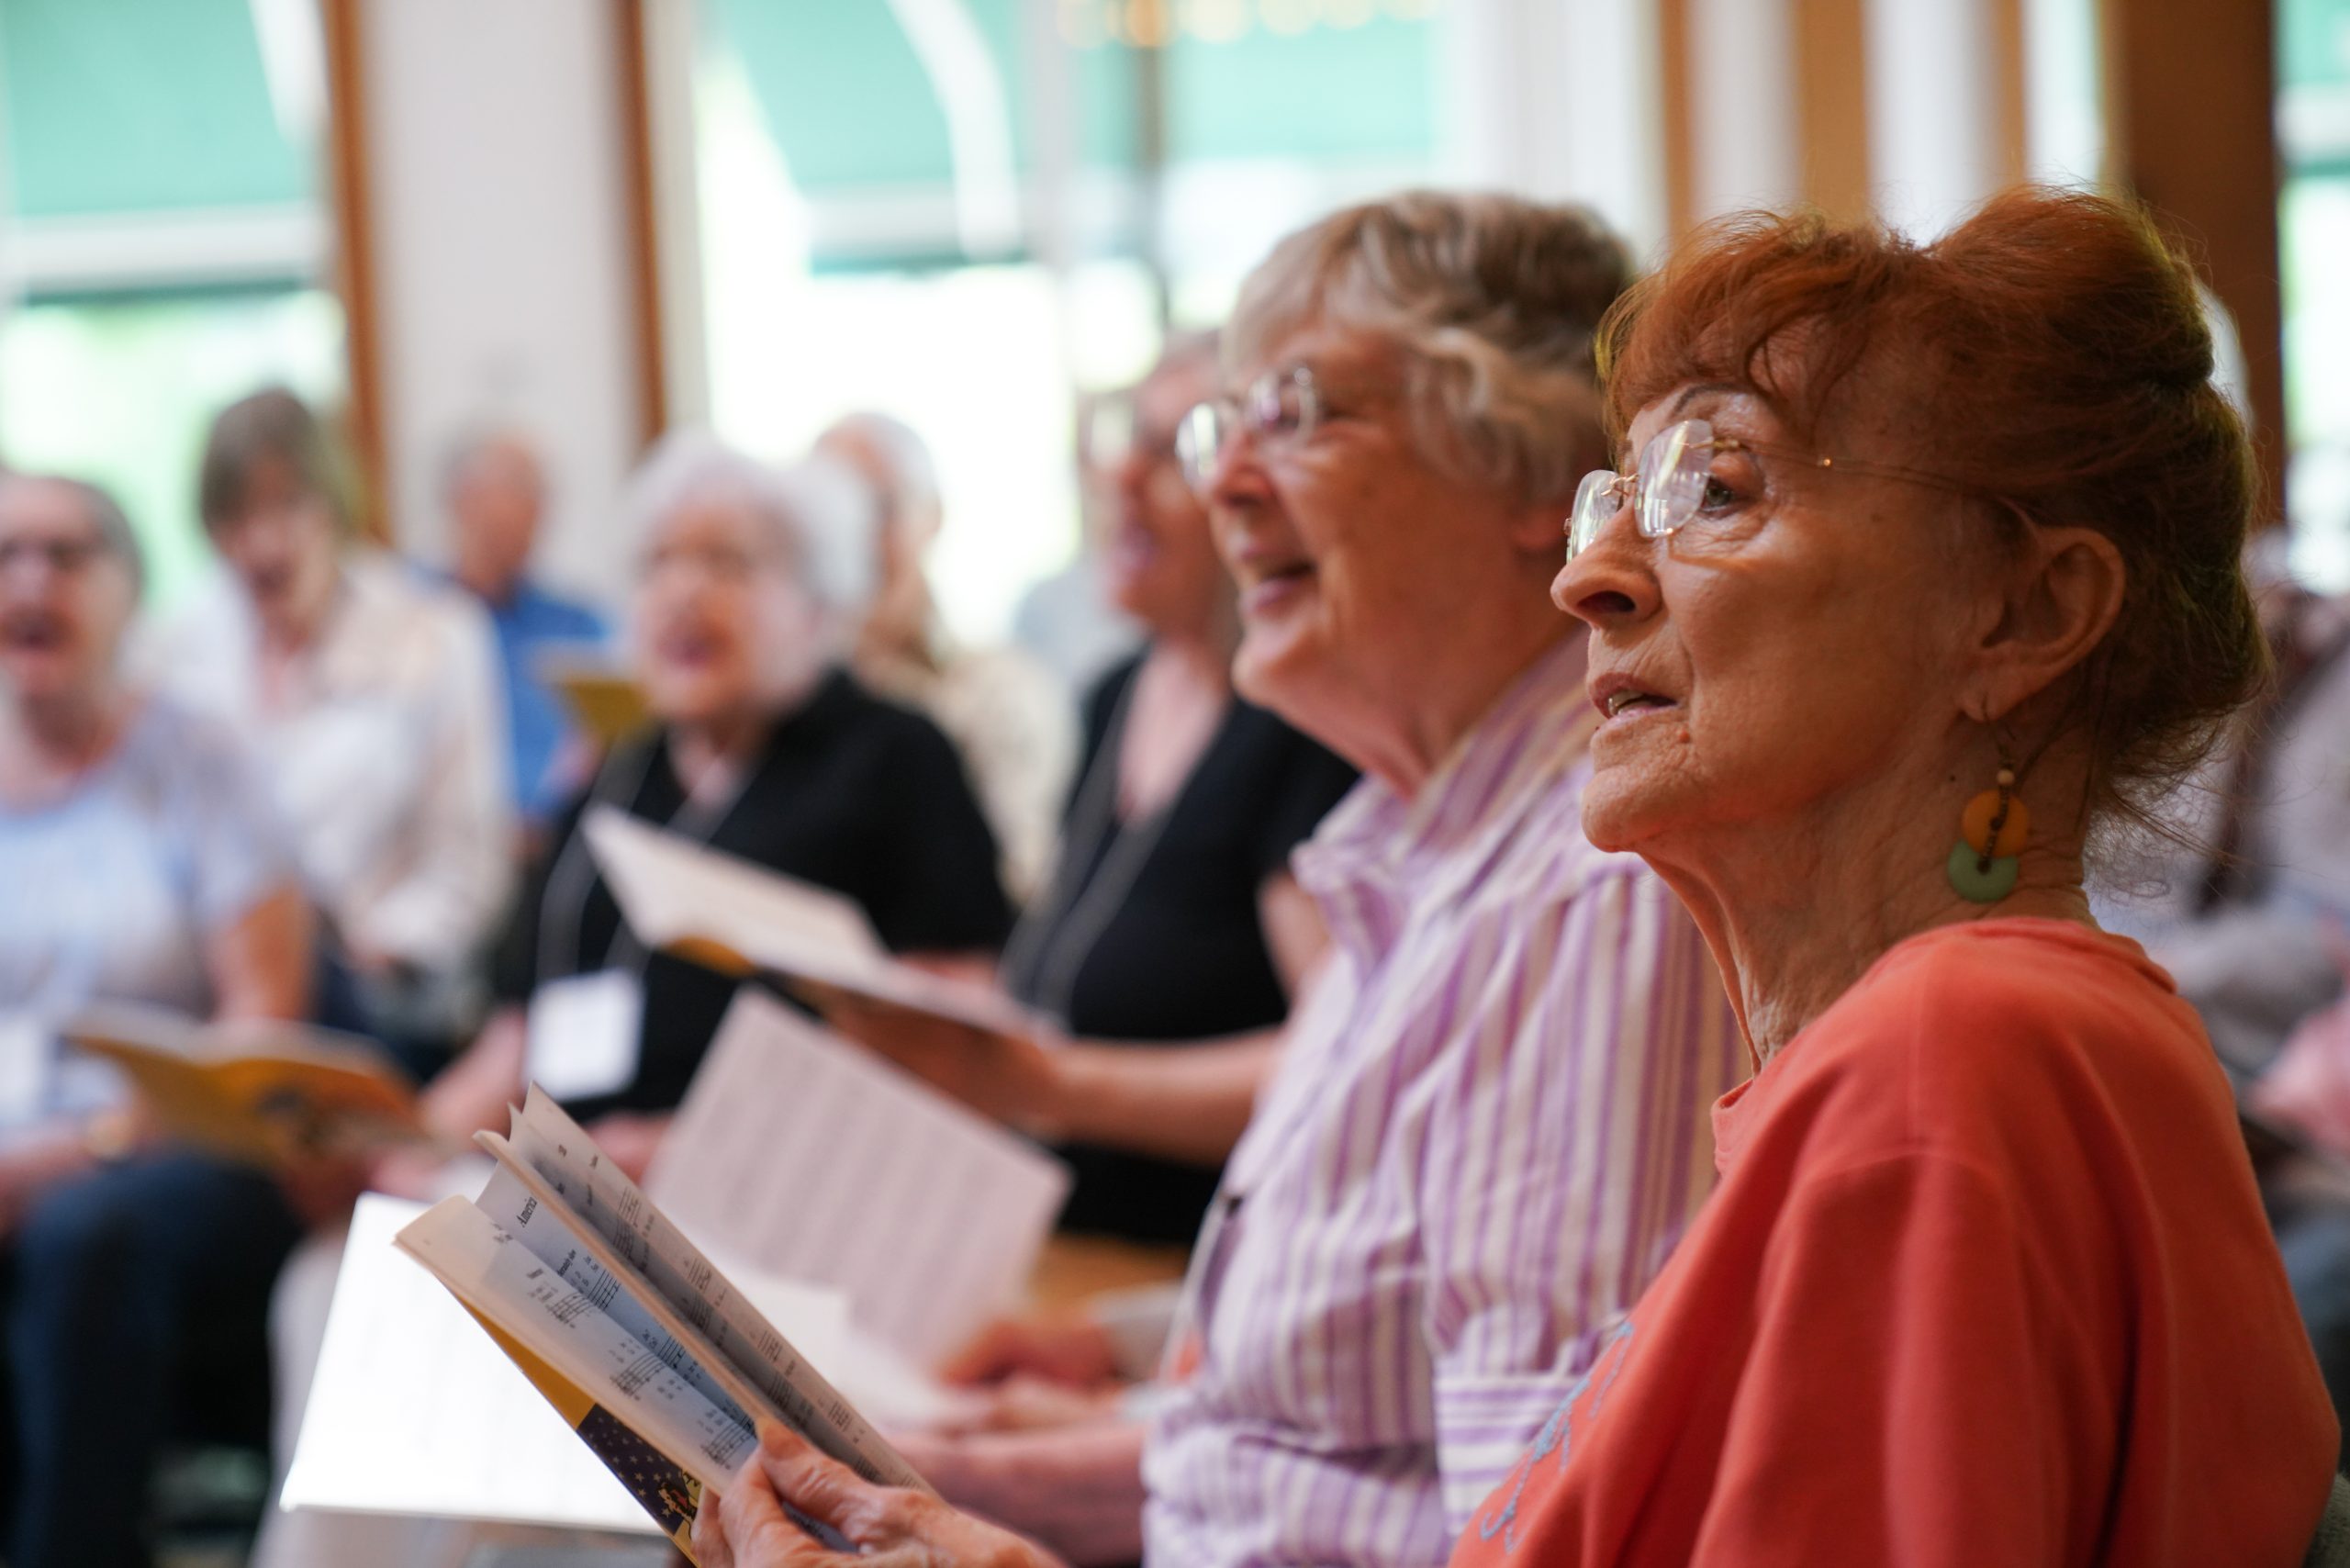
column 1379, row 852
column 1487, row 1131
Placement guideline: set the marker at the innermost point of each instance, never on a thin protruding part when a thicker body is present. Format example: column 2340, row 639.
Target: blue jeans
column 136, row 1301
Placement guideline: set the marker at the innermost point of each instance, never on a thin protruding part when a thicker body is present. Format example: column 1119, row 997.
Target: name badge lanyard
column 1050, row 944
column 572, row 880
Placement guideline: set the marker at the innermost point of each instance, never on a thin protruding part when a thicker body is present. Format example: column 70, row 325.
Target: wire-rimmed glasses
column 1280, row 406
column 1665, row 491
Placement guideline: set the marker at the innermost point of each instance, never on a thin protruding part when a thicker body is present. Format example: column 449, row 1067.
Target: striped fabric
column 1488, row 1130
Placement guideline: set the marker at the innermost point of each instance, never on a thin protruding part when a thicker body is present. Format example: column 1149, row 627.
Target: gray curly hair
column 1497, row 303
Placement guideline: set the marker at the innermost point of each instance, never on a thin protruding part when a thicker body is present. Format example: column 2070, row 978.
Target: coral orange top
column 1986, row 1283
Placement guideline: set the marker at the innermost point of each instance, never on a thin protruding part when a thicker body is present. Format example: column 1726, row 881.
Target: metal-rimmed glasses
column 1665, row 491
column 1282, row 406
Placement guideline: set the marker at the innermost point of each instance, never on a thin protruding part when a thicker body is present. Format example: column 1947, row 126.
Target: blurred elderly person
column 1920, row 568
column 138, row 862
column 495, row 491
column 1487, row 1127
column 750, row 584
column 1006, row 716
column 371, row 698
column 1172, row 936
column 2248, row 913
column 2245, row 901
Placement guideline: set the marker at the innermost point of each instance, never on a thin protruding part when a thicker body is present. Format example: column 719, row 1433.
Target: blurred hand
column 1025, row 1403
column 1011, row 1077
column 1077, row 1488
column 629, row 1140
column 890, row 1527
column 408, row 1170
column 1068, row 1347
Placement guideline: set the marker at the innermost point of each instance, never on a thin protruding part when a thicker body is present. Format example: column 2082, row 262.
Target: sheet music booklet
column 626, row 1328
column 741, row 919
column 263, row 1093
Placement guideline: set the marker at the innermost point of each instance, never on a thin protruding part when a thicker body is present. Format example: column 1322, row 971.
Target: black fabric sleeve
column 939, row 892
column 1312, row 780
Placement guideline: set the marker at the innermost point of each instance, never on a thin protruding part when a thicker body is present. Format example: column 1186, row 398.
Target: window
column 895, row 214
column 2314, row 125
column 163, row 242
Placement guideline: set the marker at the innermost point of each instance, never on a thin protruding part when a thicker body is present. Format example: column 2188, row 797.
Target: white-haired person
column 749, row 583
column 1487, row 1130
column 1006, row 715
column 371, row 698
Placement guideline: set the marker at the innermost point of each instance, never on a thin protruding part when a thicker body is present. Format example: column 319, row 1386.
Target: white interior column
column 672, row 47
column 1933, row 95
column 1558, row 99
column 1744, row 139
column 493, row 145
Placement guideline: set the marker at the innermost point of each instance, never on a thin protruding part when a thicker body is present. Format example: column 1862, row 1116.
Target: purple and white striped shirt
column 1488, row 1129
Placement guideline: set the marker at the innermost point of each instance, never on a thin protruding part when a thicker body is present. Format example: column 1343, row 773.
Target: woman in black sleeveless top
column 1154, row 929
column 1171, row 937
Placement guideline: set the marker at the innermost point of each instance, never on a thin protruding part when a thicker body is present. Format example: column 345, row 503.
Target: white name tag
column 583, row 1033
column 25, row 1048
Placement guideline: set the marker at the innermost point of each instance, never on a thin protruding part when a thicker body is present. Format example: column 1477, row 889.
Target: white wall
column 1557, row 99
column 1933, row 94
column 1745, row 142
column 502, row 255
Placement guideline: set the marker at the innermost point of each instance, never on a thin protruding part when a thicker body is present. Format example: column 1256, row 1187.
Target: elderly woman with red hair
column 1919, row 573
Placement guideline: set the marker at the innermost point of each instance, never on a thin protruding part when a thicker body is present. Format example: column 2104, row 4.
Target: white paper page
column 673, row 890
column 567, row 1169
column 894, row 1394
column 671, row 887
column 499, row 1277
column 814, row 1161
column 415, row 1410
column 514, row 1210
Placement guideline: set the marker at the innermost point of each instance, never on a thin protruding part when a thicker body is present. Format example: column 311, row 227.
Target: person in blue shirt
column 495, row 489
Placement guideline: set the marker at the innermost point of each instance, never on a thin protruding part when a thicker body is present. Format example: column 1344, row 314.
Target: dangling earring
column 1991, row 834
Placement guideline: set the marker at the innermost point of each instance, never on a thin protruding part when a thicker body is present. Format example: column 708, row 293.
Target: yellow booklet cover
column 607, row 704
column 262, row 1093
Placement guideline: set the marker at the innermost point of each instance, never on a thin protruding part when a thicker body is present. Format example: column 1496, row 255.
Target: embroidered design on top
column 1558, row 1433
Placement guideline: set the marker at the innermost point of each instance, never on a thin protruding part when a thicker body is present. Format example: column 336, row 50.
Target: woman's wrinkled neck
column 1406, row 739
column 1202, row 642
column 1200, row 656
column 1797, row 910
